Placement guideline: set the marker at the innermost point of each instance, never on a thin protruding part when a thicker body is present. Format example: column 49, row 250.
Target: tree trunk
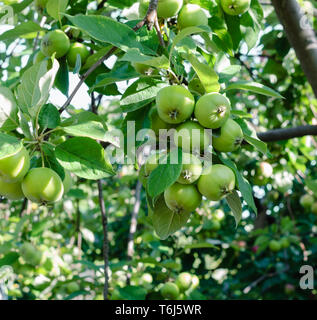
column 301, row 36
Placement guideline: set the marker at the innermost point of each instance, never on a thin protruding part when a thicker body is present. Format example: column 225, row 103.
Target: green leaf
column 9, row 259
column 254, row 87
column 243, row 184
column 205, row 73
column 122, row 71
column 9, row 145
column 134, row 55
column 62, row 77
column 87, row 124
column 229, row 72
column 8, row 110
column 165, row 221
column 50, row 160
column 312, row 185
column 84, row 157
column 234, row 203
column 49, row 117
column 186, row 32
column 107, row 30
column 36, row 83
column 56, row 8
column 140, row 93
column 164, row 175
column 27, row 29
column 258, row 144
column 132, row 293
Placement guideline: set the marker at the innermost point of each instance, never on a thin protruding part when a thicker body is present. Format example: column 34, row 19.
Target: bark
column 300, row 35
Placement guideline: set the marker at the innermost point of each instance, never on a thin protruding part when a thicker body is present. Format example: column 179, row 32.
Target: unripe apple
column 75, row 49
column 235, row 7
column 182, row 198
column 175, row 104
column 184, row 281
column 274, row 245
column 14, row 167
column 191, row 136
column 191, row 170
column 146, row 278
column 284, row 242
column 43, row 185
column 11, row 190
column 72, row 287
column 216, row 182
column 55, row 42
column 30, row 254
column 195, row 282
column 212, row 110
column 165, row 8
column 192, row 15
column 143, row 68
column 170, row 291
column 306, row 201
column 230, row 139
column 157, row 123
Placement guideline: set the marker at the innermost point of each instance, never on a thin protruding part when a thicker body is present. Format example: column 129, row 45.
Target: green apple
column 274, row 245
column 14, row 167
column 192, row 15
column 212, row 110
column 182, row 198
column 75, row 49
column 11, row 190
column 55, row 42
column 191, row 136
column 184, row 281
column 43, row 185
column 230, row 139
column 306, row 201
column 170, row 291
column 235, row 7
column 216, row 182
column 165, row 8
column 175, row 104
column 191, row 169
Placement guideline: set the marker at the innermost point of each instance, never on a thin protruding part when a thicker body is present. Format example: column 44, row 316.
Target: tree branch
column 134, row 221
column 105, row 237
column 300, row 35
column 287, row 133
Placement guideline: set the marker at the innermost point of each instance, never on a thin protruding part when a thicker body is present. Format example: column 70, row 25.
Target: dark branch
column 287, row 133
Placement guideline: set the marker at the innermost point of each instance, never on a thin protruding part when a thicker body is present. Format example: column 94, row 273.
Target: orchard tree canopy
column 158, row 149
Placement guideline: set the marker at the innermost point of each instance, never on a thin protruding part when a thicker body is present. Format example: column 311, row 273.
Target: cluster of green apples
column 40, row 185
column 176, row 290
column 309, row 202
column 57, row 41
column 190, row 15
column 277, row 245
column 176, row 108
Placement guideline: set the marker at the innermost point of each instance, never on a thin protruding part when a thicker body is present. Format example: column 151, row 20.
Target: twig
column 134, row 222
column 101, row 4
column 23, row 207
column 85, row 76
column 105, row 236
